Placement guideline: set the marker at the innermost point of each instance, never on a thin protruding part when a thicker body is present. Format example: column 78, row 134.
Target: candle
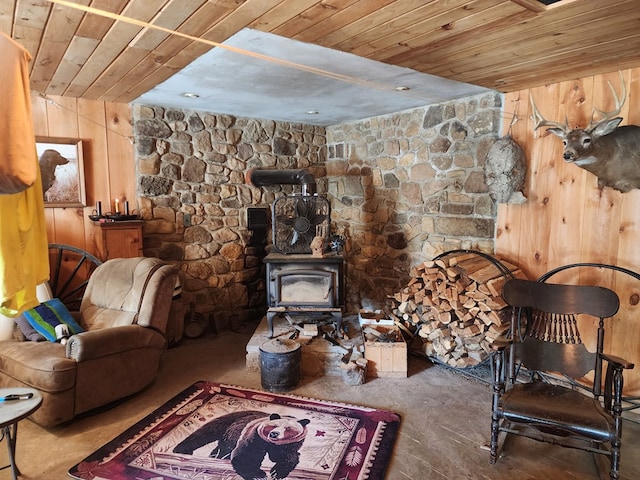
column 126, row 207
column 99, row 208
column 117, row 207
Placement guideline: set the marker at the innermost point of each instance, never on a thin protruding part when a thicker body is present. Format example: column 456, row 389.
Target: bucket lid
column 278, row 345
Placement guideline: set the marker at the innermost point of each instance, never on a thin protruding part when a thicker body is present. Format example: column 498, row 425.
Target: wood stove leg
column 337, row 316
column 270, row 316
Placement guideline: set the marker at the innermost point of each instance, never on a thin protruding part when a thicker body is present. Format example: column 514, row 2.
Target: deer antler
column 540, row 121
column 619, row 104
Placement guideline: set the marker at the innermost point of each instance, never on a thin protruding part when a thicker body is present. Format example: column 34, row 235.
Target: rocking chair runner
column 552, row 405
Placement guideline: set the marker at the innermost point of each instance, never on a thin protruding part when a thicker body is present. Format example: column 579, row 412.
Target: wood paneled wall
column 567, row 219
column 109, row 169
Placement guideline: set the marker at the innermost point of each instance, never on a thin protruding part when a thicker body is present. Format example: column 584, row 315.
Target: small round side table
column 11, row 412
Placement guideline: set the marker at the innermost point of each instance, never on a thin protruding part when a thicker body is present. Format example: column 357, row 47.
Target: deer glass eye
column 564, row 142
column 586, row 141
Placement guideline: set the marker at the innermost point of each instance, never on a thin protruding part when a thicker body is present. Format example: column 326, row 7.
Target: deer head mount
column 610, row 152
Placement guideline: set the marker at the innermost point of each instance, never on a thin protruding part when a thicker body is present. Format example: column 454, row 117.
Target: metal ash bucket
column 280, row 364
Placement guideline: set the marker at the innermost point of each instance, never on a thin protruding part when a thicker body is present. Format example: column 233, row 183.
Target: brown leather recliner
column 124, row 313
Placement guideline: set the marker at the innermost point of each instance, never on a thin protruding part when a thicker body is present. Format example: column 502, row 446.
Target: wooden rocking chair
column 549, row 399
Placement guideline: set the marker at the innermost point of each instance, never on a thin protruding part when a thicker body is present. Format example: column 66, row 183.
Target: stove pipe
column 262, row 177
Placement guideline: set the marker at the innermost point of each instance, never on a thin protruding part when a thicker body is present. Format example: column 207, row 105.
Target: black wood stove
column 297, row 280
column 302, row 283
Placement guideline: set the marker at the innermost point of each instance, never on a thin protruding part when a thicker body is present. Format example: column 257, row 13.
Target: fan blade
column 304, row 207
column 294, row 238
column 317, row 219
column 285, row 220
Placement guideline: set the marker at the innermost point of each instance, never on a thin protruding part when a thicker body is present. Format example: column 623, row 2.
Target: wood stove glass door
column 306, row 288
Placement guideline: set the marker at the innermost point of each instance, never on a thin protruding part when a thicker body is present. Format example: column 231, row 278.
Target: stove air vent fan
column 297, row 219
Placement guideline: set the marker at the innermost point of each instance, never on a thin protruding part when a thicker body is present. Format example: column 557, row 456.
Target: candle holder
column 117, row 216
column 120, row 217
column 96, row 214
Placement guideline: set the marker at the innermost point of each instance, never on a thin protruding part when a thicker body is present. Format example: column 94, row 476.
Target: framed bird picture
column 62, row 170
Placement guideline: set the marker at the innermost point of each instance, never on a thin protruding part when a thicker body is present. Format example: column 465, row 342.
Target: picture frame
column 62, row 169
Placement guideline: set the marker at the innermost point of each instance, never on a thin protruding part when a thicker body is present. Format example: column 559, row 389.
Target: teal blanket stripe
column 46, row 316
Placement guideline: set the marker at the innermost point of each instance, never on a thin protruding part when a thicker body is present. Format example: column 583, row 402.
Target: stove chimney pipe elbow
column 262, row 177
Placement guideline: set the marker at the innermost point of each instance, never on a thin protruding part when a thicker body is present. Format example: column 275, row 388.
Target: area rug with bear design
column 223, row 432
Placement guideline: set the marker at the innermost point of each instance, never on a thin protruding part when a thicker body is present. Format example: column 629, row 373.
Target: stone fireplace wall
column 193, row 197
column 403, row 188
column 408, row 186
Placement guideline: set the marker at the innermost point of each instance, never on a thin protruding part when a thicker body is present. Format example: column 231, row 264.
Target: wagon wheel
column 71, row 268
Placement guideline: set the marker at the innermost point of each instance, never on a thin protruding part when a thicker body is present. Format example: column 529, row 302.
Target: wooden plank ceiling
column 506, row 45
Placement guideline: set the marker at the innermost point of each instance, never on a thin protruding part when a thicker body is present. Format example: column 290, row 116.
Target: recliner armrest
column 109, row 341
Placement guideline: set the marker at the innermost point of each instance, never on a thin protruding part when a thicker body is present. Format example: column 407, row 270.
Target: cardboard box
column 385, row 359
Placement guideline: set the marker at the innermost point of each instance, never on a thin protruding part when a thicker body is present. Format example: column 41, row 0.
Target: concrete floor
column 445, row 420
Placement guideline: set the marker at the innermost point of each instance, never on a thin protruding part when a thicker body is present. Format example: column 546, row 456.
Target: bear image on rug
column 213, row 431
column 245, row 438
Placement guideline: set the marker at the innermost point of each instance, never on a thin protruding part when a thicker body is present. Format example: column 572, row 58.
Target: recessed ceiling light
column 190, row 95
column 312, row 112
column 402, row 88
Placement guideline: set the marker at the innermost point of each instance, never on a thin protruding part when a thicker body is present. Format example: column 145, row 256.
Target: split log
column 455, row 305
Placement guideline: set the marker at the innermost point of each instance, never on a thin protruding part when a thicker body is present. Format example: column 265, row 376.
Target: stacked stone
column 403, row 187
column 409, row 186
column 193, row 197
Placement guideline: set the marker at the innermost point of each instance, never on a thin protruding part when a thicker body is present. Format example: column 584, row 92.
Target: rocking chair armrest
column 613, row 383
column 617, row 361
column 500, row 344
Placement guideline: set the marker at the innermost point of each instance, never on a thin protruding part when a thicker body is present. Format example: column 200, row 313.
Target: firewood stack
column 454, row 304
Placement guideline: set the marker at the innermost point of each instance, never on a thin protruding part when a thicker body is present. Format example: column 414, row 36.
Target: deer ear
column 557, row 131
column 605, row 127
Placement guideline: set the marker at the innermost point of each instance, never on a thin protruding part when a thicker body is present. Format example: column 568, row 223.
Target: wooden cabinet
column 118, row 239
